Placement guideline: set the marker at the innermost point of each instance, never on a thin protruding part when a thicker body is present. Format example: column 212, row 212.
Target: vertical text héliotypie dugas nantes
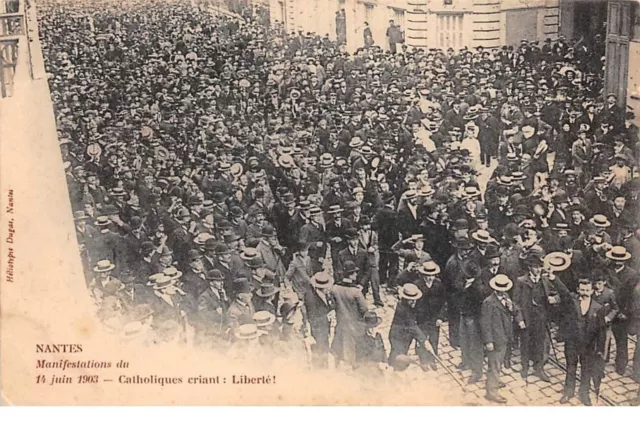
column 10, row 239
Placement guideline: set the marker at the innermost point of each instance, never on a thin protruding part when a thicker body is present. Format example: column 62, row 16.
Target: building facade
column 426, row 23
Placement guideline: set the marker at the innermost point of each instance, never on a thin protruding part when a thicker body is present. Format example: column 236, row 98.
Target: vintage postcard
column 319, row 202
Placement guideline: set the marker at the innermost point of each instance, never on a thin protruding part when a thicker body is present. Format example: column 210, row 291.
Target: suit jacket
column 313, row 234
column 404, row 326
column 299, row 274
column 194, row 284
column 359, row 259
column 385, row 222
column 272, row 260
column 240, row 314
column 533, row 301
column 623, row 284
column 350, row 307
column 371, row 241
column 317, row 311
column 588, row 338
column 496, row 321
column 607, row 299
column 432, row 305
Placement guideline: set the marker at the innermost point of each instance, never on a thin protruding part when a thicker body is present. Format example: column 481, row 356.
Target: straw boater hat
column 248, row 332
column 162, row 282
column 104, row 266
column 263, row 318
column 557, row 261
column 600, row 221
column 267, row 289
column 429, row 268
column 501, row 283
column 618, row 253
column 482, row 236
column 322, row 280
column 172, row 273
column 410, row 292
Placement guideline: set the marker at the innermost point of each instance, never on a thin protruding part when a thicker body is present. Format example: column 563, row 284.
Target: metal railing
column 13, row 28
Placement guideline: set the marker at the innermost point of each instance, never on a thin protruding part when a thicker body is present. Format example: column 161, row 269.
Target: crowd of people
column 237, row 187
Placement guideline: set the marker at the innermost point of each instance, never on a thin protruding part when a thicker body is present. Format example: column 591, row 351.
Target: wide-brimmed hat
column 247, row 332
column 249, row 253
column 618, row 253
column 471, row 192
column 557, row 261
column 162, row 282
column 356, row 142
column 371, row 319
column 322, row 280
column 103, row 220
column 429, row 268
column 172, row 273
column 263, row 318
column 335, row 209
column 501, row 283
column 285, row 161
column 80, row 215
column 202, row 238
column 600, row 221
column 267, row 289
column 104, row 265
column 410, row 292
column 482, row 236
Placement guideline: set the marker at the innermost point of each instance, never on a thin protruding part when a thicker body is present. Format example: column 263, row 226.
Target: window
column 368, row 13
column 449, row 31
column 398, row 17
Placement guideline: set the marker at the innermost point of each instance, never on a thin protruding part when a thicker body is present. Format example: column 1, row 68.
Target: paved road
column 615, row 390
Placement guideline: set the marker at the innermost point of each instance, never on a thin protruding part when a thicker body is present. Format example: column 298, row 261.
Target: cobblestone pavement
column 615, row 389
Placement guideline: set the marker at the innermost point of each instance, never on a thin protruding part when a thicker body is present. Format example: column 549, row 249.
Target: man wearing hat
column 352, row 253
column 213, row 304
column 385, row 223
column 623, row 280
column 194, row 281
column 404, row 326
column 272, row 253
column 318, row 304
column 241, row 310
column 454, row 282
column 104, row 284
column 537, row 296
column 430, row 309
column 371, row 350
column 498, row 314
column 314, row 233
column 350, row 306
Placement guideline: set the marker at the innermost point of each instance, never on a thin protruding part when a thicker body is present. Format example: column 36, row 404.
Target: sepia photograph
column 320, row 202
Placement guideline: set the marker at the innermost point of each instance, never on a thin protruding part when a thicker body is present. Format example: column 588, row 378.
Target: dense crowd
column 240, row 188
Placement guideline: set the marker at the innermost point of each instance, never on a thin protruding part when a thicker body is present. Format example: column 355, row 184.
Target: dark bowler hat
column 213, row 275
column 349, row 267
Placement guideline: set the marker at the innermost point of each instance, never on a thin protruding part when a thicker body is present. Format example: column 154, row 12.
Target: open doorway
column 590, row 18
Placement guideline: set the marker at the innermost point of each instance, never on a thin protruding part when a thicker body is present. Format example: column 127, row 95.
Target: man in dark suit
column 584, row 334
column 497, row 315
column 404, row 326
column 454, row 283
column 430, row 310
column 314, row 233
column 352, row 253
column 622, row 279
column 351, row 307
column 385, row 223
column 194, row 282
column 318, row 303
column 536, row 296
